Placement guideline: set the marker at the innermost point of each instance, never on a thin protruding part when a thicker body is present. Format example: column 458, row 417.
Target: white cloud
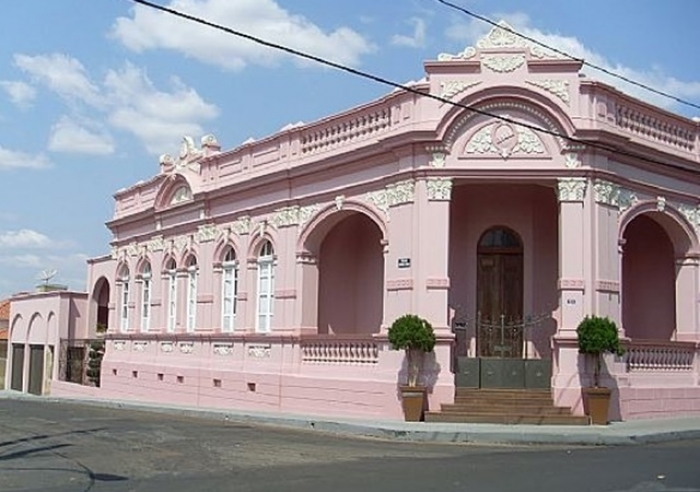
column 126, row 98
column 21, row 93
column 149, row 29
column 12, row 159
column 469, row 32
column 21, row 261
column 24, row 238
column 62, row 74
column 68, row 136
column 416, row 40
column 159, row 119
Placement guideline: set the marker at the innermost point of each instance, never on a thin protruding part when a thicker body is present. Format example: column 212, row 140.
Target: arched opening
column 124, row 297
column 192, row 277
column 648, row 280
column 170, row 277
column 146, row 287
column 351, row 277
column 499, row 293
column 266, row 288
column 100, row 299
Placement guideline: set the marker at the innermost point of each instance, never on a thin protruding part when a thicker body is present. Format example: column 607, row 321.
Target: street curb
column 616, row 434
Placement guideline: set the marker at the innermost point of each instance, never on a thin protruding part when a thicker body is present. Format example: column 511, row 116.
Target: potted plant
column 416, row 337
column 596, row 337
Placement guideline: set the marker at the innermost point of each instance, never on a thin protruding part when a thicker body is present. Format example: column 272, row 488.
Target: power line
column 567, row 55
column 384, row 81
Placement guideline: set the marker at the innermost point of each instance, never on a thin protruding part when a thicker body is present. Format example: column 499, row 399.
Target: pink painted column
column 432, row 237
column 608, row 260
column 687, row 299
column 572, row 254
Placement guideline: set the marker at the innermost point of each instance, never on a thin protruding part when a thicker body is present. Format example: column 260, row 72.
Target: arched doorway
column 648, row 280
column 351, row 277
column 101, row 299
column 500, row 294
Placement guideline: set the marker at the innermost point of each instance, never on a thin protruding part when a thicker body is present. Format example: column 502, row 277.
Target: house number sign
column 404, row 262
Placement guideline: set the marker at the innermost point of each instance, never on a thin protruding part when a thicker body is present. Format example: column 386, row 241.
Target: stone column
column 572, row 254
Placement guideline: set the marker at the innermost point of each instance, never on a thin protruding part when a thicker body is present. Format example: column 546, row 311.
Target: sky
column 92, row 92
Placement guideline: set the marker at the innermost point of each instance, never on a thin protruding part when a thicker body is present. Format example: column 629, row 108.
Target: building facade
column 503, row 197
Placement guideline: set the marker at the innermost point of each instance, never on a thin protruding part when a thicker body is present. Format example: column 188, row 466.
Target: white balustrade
column 340, row 351
column 660, row 356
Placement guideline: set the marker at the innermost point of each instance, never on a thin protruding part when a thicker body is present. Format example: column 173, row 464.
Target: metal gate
column 502, row 359
column 36, row 369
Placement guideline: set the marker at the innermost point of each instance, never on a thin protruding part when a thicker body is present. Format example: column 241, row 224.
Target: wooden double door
column 500, row 294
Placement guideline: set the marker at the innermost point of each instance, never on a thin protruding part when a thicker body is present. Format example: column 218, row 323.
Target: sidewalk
column 634, row 432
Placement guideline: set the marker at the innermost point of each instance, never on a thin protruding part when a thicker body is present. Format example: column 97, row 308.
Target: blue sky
column 91, row 92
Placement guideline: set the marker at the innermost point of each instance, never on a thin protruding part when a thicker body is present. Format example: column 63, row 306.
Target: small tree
column 598, row 336
column 415, row 335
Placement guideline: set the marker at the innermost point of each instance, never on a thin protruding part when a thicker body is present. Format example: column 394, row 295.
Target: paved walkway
column 617, row 433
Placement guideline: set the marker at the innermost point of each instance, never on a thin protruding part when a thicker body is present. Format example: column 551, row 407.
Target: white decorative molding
column 207, row 233
column 291, row 216
column 223, row 348
column 167, row 347
column 182, row 194
column 502, row 36
column 503, row 63
column 393, row 194
column 468, row 53
column 242, row 225
column 505, row 140
column 339, row 201
column 559, row 88
column 438, row 155
column 139, row 346
column 606, row 192
column 439, row 189
column 179, row 243
column 186, row 347
column 571, row 189
column 188, row 156
column 156, row 243
column 401, row 192
column 572, row 160
column 451, row 88
column 626, row 199
column 119, row 345
column 114, row 252
column 259, row 351
column 132, row 249
column 660, row 203
column 690, row 212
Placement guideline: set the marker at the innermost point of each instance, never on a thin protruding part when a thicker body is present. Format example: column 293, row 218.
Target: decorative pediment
column 505, row 140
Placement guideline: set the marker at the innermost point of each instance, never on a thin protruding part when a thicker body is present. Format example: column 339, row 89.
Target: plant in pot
column 596, row 337
column 416, row 337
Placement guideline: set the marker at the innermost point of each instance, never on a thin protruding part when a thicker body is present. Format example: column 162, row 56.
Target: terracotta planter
column 413, row 399
column 597, row 402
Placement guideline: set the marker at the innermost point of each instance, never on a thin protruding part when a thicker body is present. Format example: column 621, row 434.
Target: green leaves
column 411, row 332
column 597, row 336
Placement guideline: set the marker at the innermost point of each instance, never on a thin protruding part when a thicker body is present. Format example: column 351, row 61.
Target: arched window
column 124, row 299
column 146, row 297
column 266, row 280
column 192, row 274
column 171, row 278
column 229, row 290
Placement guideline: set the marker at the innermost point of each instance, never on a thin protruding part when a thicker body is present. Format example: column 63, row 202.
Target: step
column 502, row 393
column 530, row 410
column 503, row 400
column 508, row 419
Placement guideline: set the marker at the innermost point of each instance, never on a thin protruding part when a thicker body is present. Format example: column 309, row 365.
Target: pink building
column 264, row 277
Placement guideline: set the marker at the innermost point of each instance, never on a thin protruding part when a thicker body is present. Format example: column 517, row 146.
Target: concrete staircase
column 505, row 406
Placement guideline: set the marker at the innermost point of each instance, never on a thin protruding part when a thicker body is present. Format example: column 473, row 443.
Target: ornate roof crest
column 501, row 37
column 189, row 155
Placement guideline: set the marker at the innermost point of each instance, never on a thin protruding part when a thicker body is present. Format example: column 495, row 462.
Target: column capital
column 439, row 189
column 571, row 189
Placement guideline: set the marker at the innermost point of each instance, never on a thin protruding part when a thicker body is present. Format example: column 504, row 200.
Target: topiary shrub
column 415, row 335
column 95, row 355
column 598, row 336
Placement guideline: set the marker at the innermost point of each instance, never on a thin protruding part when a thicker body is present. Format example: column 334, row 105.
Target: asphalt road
column 61, row 447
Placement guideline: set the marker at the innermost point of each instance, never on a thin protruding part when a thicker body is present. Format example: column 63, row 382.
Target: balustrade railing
column 652, row 355
column 656, row 127
column 340, row 350
column 327, row 135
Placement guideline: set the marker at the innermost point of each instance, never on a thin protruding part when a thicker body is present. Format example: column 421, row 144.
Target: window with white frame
column 146, row 297
column 229, row 290
column 191, row 293
column 124, row 299
column 171, row 277
column 266, row 280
